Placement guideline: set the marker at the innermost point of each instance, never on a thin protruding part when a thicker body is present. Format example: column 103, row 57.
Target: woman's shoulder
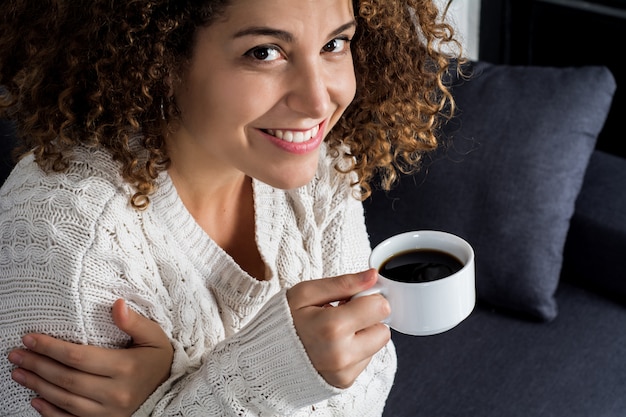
column 84, row 189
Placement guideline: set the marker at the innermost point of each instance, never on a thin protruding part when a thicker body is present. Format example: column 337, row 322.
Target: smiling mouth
column 294, row 136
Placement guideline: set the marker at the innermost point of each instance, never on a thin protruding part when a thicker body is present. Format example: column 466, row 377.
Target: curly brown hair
column 96, row 72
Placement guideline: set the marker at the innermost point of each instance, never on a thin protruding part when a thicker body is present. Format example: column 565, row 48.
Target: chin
column 289, row 181
column 290, row 184
column 291, row 176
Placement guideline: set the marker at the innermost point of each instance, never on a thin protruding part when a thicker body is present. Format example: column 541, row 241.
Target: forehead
column 299, row 15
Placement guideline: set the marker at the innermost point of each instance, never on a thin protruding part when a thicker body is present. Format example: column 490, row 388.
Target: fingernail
column 29, row 341
column 36, row 404
column 368, row 275
column 15, row 358
column 18, row 376
column 126, row 308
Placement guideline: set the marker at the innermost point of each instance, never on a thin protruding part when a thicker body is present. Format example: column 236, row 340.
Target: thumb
column 320, row 292
column 142, row 330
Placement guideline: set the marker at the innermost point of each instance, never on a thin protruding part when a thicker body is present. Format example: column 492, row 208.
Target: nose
column 310, row 91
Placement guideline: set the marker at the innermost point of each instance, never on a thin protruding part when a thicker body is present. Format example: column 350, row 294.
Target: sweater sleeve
column 337, row 226
column 262, row 370
column 346, row 248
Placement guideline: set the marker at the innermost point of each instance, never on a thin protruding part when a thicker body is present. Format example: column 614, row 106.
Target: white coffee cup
column 431, row 307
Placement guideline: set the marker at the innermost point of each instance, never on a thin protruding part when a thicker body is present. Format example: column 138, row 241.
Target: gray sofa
column 519, row 178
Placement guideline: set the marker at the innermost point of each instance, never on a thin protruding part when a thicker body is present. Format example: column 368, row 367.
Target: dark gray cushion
column 493, row 365
column 594, row 251
column 506, row 177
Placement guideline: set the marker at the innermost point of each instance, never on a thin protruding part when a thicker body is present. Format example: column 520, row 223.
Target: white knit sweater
column 70, row 245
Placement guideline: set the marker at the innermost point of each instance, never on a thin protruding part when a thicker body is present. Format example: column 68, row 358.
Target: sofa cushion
column 493, row 365
column 594, row 250
column 506, row 177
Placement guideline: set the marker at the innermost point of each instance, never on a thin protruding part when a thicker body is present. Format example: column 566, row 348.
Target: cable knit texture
column 70, row 245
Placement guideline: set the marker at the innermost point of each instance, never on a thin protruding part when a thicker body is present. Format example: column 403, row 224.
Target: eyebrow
column 282, row 34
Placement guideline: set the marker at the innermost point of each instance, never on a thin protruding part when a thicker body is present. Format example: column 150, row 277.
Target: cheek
column 241, row 97
column 213, row 105
column 344, row 91
column 347, row 86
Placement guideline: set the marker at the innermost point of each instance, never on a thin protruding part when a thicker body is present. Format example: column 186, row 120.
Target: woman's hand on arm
column 81, row 380
column 341, row 340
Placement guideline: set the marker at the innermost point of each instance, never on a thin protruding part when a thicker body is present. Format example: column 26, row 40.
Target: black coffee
column 420, row 265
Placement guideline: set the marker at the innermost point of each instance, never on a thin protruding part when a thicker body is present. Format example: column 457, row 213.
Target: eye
column 264, row 53
column 337, row 45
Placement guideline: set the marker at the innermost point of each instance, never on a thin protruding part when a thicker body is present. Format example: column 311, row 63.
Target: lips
column 294, row 136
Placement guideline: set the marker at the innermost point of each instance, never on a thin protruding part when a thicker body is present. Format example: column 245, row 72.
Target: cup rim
column 457, row 239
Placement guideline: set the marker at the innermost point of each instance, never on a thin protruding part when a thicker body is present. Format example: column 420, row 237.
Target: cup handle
column 375, row 289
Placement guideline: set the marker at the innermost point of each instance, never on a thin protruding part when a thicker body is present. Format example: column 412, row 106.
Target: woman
column 205, row 161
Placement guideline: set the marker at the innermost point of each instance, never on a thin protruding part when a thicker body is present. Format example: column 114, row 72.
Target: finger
column 327, row 290
column 345, row 379
column 45, row 409
column 350, row 357
column 143, row 331
column 90, row 359
column 96, row 360
column 55, row 395
column 373, row 338
column 41, row 369
column 367, row 311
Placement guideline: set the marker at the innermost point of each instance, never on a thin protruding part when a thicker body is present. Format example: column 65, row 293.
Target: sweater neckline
column 206, row 255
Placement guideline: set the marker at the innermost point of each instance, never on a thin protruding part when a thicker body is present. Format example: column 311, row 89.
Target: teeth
column 294, row 136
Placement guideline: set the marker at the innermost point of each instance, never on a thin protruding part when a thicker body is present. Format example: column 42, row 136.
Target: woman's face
column 264, row 87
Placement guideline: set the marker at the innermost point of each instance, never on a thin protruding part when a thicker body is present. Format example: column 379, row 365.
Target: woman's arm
column 81, row 380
